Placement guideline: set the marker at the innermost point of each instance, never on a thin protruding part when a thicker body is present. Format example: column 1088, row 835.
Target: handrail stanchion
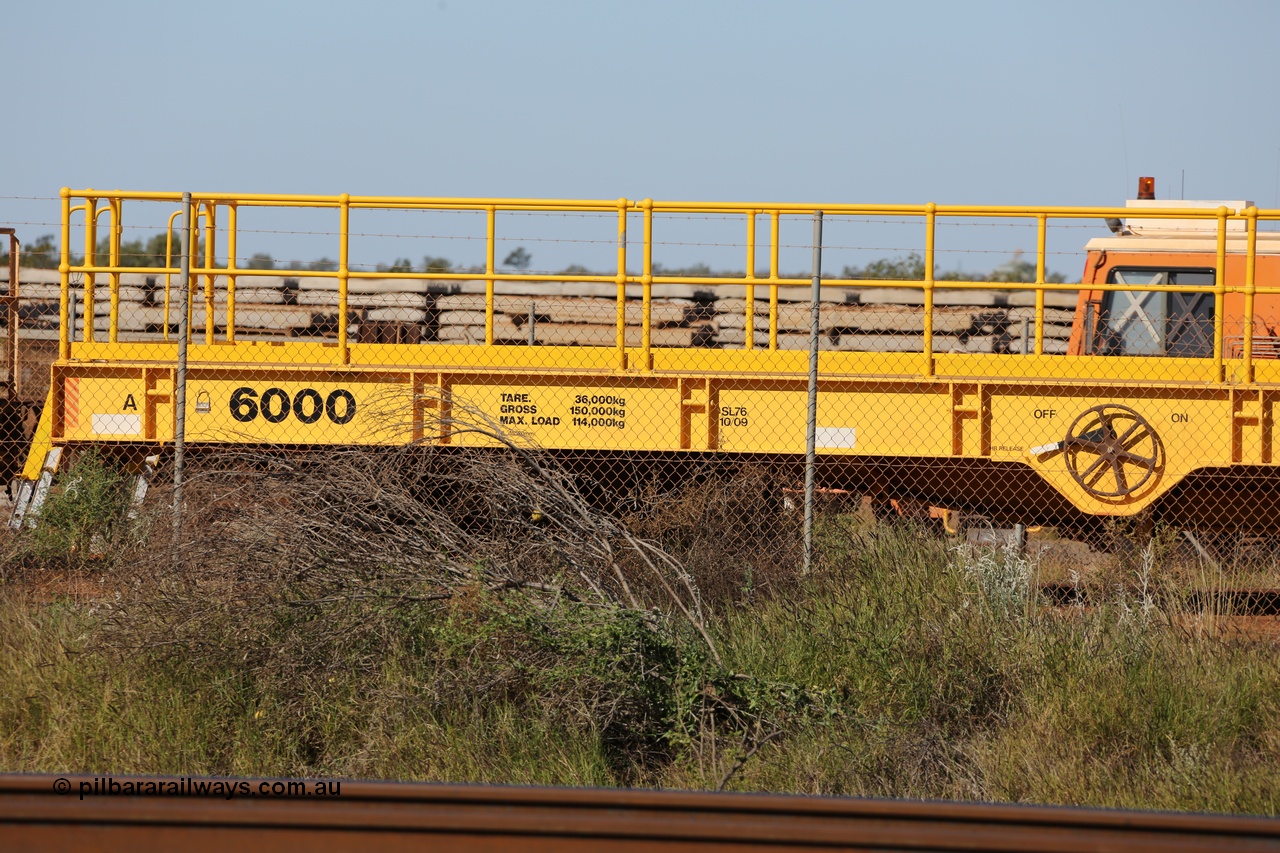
column 1042, row 227
column 210, row 234
column 646, row 284
column 750, row 319
column 193, row 255
column 931, row 214
column 344, row 275
column 774, row 228
column 90, row 260
column 64, row 280
column 811, row 420
column 115, row 206
column 622, row 284
column 168, row 263
column 1219, row 294
column 490, row 267
column 1250, row 289
column 231, row 274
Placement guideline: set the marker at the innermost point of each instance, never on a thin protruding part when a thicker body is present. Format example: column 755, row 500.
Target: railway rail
column 34, row 815
column 1234, row 602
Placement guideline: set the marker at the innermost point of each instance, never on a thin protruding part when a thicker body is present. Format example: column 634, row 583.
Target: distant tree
column 1018, row 270
column 40, row 254
column 518, row 259
column 694, row 271
column 575, row 269
column 910, row 268
column 430, row 264
column 43, row 252
column 400, row 265
column 261, row 261
column 959, row 275
column 139, row 253
column 1014, row 270
column 323, row 265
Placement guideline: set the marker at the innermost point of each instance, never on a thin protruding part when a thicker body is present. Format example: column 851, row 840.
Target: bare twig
column 741, row 762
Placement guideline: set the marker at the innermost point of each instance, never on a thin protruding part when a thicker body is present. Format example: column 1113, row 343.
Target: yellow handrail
column 1250, row 289
column 650, row 210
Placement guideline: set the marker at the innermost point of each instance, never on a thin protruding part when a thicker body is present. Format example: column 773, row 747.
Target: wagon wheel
column 1112, row 451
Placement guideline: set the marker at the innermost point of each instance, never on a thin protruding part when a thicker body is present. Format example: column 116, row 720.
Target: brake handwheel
column 1112, row 451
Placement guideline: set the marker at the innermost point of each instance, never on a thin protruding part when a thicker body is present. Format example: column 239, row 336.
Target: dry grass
column 471, row 616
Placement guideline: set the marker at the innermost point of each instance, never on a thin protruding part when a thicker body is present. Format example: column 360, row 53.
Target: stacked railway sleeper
column 302, row 308
column 299, row 307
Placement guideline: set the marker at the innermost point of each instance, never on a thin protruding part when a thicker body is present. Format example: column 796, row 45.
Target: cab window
column 1173, row 323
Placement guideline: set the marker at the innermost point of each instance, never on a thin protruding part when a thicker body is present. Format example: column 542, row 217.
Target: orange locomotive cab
column 1179, row 321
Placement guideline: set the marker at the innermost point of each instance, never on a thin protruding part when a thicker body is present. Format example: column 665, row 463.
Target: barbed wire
column 608, row 242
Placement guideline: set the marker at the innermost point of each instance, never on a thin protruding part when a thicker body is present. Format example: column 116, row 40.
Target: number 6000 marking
column 275, row 406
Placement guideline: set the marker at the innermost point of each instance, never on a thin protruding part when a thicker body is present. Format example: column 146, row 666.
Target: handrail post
column 622, row 284
column 210, row 234
column 490, row 268
column 750, row 319
column 1250, row 289
column 115, row 206
column 64, row 280
column 1042, row 223
column 90, row 260
column 168, row 262
column 344, row 274
column 774, row 229
column 646, row 284
column 231, row 274
column 1219, row 294
column 931, row 214
column 193, row 256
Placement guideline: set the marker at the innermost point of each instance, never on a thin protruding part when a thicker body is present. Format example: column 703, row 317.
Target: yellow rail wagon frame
column 1035, row 437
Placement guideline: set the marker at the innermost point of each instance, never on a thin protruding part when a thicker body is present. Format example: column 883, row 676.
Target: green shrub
column 83, row 513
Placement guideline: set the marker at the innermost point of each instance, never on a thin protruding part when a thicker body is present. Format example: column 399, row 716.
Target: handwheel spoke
column 1098, row 463
column 1130, row 431
column 1147, row 462
column 1135, row 441
column 1122, row 482
column 1094, row 478
column 1090, row 484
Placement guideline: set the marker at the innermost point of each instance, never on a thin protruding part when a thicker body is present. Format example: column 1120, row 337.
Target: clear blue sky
column 1038, row 103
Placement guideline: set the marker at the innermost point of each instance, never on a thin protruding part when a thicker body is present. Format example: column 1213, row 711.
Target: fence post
column 180, row 380
column 811, row 422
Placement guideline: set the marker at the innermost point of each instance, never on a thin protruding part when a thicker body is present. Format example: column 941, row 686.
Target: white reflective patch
column 837, row 437
column 117, row 424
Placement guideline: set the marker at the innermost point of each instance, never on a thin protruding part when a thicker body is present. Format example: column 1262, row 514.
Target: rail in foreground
column 403, row 816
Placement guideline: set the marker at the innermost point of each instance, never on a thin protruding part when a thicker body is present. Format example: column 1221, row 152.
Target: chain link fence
column 662, row 356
